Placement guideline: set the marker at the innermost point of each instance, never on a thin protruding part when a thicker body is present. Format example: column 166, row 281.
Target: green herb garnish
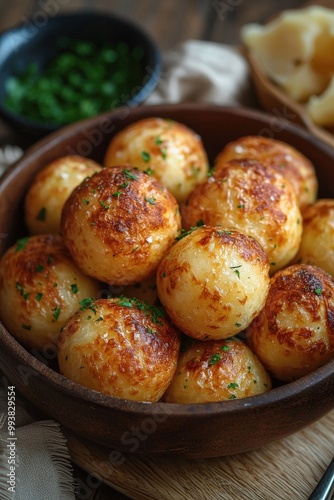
column 155, row 313
column 184, row 233
column 41, row 214
column 151, row 201
column 128, row 174
column 24, row 294
column 146, row 156
column 104, row 204
column 74, row 288
column 88, row 303
column 83, row 78
column 21, row 243
column 56, row 313
column 214, row 359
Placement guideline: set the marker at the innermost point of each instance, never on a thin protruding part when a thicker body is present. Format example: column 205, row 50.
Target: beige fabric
column 34, row 462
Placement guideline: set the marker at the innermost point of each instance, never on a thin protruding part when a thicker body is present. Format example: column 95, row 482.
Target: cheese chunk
column 295, row 50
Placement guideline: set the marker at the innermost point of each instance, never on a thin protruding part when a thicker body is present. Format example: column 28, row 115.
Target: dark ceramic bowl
column 35, row 41
column 195, row 430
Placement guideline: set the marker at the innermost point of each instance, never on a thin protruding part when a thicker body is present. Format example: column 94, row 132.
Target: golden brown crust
column 120, row 347
column 253, row 199
column 216, row 371
column 51, row 188
column 171, row 150
column 294, row 333
column 284, row 158
column 213, row 282
column 40, row 288
column 119, row 223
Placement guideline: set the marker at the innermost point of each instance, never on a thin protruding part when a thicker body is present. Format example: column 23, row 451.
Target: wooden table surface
column 169, row 23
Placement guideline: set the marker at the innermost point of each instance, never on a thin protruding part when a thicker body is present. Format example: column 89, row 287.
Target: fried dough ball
column 171, row 151
column 121, row 347
column 253, row 199
column 213, row 282
column 294, row 333
column 285, row 159
column 119, row 223
column 216, row 370
column 317, row 245
column 51, row 188
column 40, row 288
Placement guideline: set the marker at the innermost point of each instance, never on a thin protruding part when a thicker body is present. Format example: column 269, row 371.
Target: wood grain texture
column 286, row 469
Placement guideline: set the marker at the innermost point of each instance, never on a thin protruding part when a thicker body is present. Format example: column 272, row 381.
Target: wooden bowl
column 195, row 430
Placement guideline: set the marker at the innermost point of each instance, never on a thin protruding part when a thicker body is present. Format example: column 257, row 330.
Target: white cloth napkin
column 204, row 71
column 8, row 155
column 34, row 459
column 193, row 71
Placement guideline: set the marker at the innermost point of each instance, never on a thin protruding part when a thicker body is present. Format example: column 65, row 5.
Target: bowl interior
column 36, row 42
column 236, row 425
